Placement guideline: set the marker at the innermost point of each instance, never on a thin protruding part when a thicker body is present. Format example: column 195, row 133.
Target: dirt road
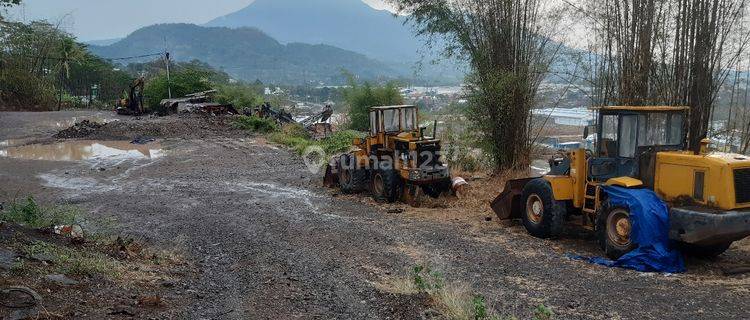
column 269, row 242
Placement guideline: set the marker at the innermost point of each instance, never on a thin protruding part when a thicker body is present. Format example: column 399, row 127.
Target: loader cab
column 393, row 119
column 629, row 138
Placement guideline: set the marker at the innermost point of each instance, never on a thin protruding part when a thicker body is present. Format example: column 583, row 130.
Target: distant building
column 570, row 117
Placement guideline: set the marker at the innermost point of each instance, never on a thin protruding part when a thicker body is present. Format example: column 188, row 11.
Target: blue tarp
column 649, row 217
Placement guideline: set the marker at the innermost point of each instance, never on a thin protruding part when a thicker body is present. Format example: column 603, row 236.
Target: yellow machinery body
column 708, row 193
column 395, row 149
column 704, row 179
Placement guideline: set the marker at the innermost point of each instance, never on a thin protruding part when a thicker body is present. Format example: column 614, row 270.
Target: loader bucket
column 331, row 179
column 508, row 204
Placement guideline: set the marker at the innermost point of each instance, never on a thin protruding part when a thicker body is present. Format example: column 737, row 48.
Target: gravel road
column 269, row 242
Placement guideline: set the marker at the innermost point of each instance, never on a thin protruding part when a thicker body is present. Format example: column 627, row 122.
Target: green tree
column 361, row 97
column 69, row 52
column 507, row 45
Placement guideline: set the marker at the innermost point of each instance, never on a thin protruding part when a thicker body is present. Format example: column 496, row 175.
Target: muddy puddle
column 83, row 150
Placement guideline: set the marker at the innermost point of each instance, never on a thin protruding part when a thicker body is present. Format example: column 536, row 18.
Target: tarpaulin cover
column 649, row 217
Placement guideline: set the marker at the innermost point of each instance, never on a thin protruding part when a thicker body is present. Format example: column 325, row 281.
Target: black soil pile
column 81, row 129
column 173, row 126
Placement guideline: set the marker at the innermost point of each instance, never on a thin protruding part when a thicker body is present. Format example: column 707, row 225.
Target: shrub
column 255, row 124
column 298, row 139
column 30, row 213
column 21, row 89
column 240, row 96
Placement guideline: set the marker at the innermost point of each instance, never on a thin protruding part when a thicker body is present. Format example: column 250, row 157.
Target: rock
column 151, row 301
column 61, row 280
column 7, row 259
column 23, row 314
column 396, row 210
column 121, row 311
column 21, row 297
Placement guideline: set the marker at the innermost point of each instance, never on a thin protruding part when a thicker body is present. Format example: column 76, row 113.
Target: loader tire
column 613, row 230
column 543, row 216
column 386, row 186
column 436, row 189
column 706, row 252
column 351, row 179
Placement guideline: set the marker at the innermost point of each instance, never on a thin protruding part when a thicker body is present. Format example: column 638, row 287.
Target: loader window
column 608, row 145
column 373, row 122
column 675, row 129
column 659, row 129
column 408, row 117
column 628, row 136
column 390, row 120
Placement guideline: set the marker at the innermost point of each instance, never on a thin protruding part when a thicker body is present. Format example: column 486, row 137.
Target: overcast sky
column 107, row 19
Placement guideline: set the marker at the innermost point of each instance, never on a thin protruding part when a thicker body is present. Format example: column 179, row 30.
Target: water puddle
column 13, row 142
column 83, row 150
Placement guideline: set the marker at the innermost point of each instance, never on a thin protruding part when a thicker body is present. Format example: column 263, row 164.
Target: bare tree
column 675, row 52
column 508, row 49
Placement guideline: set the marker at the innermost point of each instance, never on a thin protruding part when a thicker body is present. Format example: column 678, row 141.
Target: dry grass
column 454, row 300
column 472, row 203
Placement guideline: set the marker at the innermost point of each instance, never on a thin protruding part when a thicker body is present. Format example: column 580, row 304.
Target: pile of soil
column 186, row 126
column 80, row 130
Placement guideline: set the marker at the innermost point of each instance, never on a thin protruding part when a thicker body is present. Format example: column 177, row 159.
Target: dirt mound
column 173, row 126
column 79, row 130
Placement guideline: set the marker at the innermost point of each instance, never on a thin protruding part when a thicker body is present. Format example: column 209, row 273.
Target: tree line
column 639, row 52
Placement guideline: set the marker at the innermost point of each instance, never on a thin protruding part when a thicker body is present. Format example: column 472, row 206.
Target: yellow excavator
column 708, row 193
column 133, row 104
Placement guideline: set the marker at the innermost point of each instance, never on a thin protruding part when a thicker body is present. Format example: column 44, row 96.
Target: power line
column 108, row 59
column 137, row 57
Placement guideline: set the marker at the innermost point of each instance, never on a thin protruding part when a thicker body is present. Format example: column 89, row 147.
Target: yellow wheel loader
column 394, row 162
column 708, row 193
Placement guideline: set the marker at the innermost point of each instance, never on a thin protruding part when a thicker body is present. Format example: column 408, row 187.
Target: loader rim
column 534, row 208
column 619, row 227
column 378, row 185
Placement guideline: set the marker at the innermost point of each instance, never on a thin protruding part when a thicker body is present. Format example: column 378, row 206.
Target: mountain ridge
column 248, row 54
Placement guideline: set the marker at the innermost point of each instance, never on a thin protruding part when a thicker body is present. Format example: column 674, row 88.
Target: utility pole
column 169, row 81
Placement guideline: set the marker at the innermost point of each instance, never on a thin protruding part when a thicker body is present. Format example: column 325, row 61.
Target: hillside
column 248, row 54
column 347, row 24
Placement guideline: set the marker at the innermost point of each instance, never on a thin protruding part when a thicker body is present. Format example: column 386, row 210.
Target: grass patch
column 255, row 124
column 31, row 214
column 298, row 139
column 454, row 300
column 75, row 262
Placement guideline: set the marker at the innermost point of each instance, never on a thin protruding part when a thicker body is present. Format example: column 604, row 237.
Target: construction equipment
column 395, row 161
column 265, row 111
column 638, row 147
column 133, row 104
column 319, row 124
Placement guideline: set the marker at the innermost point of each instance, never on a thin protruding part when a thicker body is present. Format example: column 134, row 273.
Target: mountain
column 348, row 24
column 103, row 42
column 248, row 54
